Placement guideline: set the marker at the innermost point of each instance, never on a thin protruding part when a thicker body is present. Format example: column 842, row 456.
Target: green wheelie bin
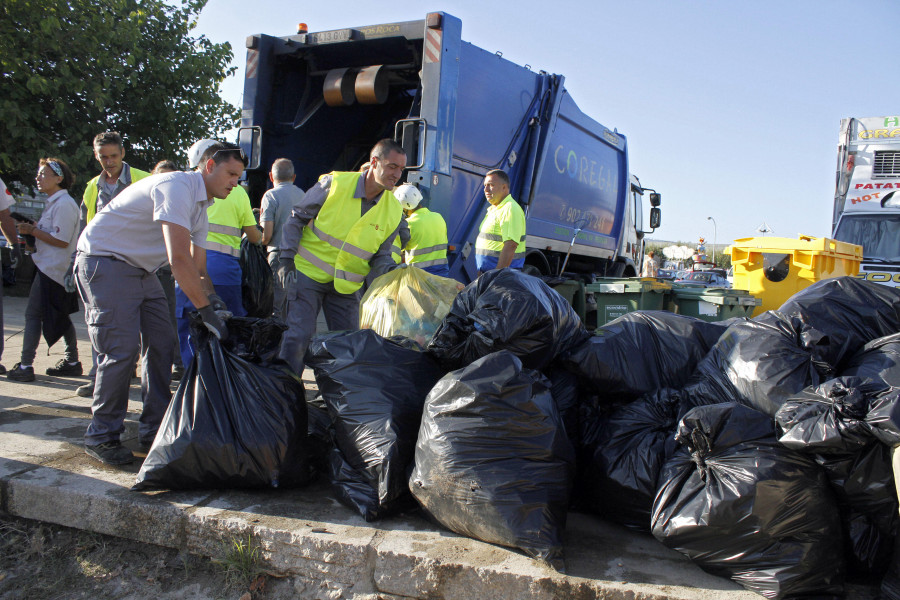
column 618, row 296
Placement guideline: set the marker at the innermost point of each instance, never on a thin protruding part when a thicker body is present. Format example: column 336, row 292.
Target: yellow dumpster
column 774, row 269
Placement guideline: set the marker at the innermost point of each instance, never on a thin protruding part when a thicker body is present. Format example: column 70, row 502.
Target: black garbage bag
column 844, row 313
column 741, row 505
column 879, row 361
column 567, row 396
column 321, row 435
column 620, row 481
column 506, row 309
column 374, row 389
column 492, row 459
column 232, row 423
column 641, row 352
column 759, row 363
column 828, row 422
column 256, row 340
column 257, row 281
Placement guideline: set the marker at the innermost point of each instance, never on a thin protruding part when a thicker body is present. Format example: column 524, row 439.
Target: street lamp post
column 714, row 237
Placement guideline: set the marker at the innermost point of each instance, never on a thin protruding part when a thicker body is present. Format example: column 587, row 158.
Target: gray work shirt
column 106, row 192
column 276, row 207
column 310, row 206
column 129, row 227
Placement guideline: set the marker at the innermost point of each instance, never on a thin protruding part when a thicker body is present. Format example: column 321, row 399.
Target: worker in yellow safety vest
column 427, row 245
column 109, row 150
column 501, row 237
column 229, row 219
column 340, row 233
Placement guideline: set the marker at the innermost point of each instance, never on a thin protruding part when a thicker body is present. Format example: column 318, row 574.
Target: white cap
column 408, row 195
column 195, row 152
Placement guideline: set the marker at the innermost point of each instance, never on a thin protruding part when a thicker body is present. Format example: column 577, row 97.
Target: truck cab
column 867, row 195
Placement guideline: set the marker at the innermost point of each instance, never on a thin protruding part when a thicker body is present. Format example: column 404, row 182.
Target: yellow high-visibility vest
column 427, row 244
column 92, row 191
column 339, row 243
column 506, row 215
column 227, row 218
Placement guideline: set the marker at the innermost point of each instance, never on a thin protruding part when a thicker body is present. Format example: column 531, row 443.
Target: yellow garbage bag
column 407, row 301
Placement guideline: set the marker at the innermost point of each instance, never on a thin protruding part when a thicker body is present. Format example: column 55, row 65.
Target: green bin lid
column 723, row 296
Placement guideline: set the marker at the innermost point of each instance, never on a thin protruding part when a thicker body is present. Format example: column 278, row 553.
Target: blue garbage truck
column 324, row 98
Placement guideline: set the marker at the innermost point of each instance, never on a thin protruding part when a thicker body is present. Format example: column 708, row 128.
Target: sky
column 731, row 109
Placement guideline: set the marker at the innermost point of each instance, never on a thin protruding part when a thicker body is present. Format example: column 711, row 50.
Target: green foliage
column 70, row 69
column 241, row 561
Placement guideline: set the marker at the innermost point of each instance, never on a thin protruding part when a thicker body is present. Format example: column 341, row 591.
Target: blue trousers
column 230, row 294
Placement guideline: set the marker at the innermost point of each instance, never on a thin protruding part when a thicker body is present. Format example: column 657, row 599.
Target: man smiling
column 161, row 219
column 337, row 235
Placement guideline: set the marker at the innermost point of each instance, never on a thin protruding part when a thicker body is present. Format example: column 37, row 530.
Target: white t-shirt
column 128, row 228
column 60, row 219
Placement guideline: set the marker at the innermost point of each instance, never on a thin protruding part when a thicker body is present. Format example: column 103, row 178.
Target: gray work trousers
column 279, row 310
column 168, row 284
column 126, row 313
column 304, row 300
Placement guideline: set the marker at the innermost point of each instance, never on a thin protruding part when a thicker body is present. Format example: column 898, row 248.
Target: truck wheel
column 536, row 264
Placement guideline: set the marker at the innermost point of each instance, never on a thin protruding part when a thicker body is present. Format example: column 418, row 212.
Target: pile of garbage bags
column 760, row 448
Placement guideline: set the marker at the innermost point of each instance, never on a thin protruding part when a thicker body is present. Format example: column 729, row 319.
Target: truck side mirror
column 655, row 199
column 655, row 215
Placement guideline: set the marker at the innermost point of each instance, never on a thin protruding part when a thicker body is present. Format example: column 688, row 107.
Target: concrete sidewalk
column 326, row 550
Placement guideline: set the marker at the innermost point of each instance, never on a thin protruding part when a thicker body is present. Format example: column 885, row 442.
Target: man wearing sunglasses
column 157, row 221
column 340, row 233
column 229, row 219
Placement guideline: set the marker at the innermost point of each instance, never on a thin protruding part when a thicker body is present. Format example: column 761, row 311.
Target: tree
column 70, row 69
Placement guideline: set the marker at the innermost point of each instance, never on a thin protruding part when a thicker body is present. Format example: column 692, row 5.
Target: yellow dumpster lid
column 806, row 243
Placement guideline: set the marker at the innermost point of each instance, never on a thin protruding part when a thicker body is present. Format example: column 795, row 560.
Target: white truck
column 867, row 194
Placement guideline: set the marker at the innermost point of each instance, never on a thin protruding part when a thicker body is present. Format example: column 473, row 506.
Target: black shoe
column 20, row 374
column 177, row 373
column 64, row 369
column 86, row 390
column 110, row 453
column 2, row 370
column 145, row 445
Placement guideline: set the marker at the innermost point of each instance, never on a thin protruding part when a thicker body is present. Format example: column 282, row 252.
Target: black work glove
column 214, row 322
column 216, row 302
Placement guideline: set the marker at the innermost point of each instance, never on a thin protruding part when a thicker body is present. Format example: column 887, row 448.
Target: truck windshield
column 879, row 235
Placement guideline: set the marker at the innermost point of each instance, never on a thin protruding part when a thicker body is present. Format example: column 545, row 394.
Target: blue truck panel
column 460, row 111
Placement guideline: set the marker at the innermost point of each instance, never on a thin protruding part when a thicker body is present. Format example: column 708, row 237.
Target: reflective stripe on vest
column 226, row 230
column 339, row 245
column 430, row 263
column 396, row 252
column 490, row 239
column 324, row 256
column 428, row 239
column 421, row 251
column 223, row 248
column 225, row 218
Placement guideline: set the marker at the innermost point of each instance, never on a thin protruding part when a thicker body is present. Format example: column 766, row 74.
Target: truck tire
column 536, row 263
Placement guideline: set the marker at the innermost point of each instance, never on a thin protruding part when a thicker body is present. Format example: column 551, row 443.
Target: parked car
column 708, row 279
column 666, row 274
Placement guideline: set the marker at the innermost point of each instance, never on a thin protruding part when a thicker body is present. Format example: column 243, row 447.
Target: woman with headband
column 49, row 304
